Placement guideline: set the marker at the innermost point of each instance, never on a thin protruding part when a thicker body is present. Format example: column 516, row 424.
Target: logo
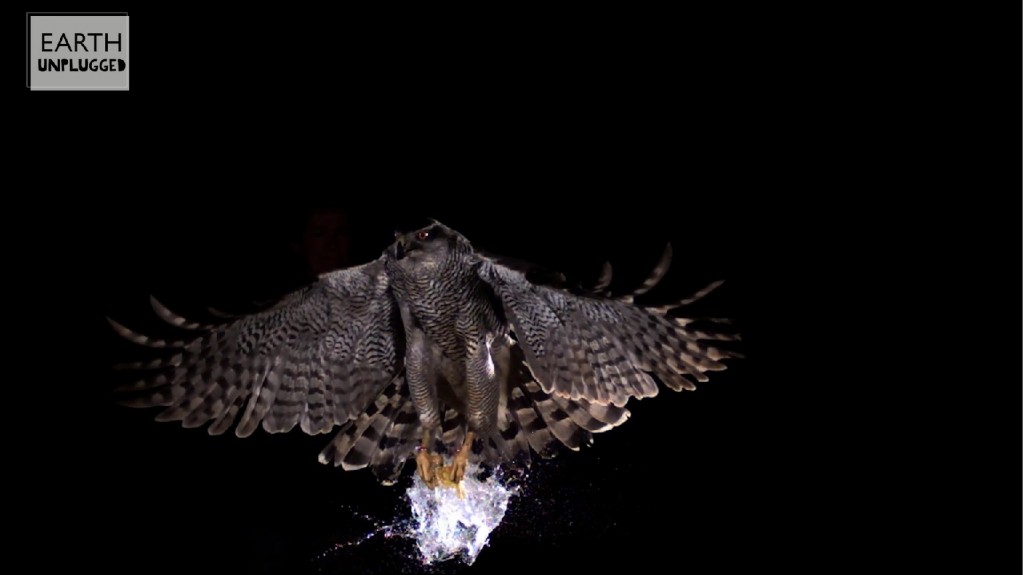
column 77, row 51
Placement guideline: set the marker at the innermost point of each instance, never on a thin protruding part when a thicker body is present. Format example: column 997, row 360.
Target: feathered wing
column 381, row 437
column 597, row 350
column 534, row 418
column 319, row 358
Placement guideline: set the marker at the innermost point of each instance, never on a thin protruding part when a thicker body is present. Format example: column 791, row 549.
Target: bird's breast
column 451, row 377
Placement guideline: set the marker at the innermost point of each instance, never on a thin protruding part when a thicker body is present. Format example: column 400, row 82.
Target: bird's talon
column 457, row 470
column 425, row 465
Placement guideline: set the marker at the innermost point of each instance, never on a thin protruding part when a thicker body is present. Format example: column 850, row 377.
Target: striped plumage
column 431, row 337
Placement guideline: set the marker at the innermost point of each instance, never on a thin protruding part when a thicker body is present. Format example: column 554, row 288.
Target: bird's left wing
column 316, row 359
column 601, row 349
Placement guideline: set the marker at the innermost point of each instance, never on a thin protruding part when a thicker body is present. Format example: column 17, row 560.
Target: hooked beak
column 402, row 246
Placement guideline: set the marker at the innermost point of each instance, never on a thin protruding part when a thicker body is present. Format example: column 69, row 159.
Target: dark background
column 590, row 137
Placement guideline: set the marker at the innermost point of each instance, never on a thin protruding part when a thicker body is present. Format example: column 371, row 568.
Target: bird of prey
column 433, row 348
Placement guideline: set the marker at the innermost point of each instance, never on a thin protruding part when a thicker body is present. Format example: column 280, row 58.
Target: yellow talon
column 427, row 466
column 436, row 474
column 446, row 478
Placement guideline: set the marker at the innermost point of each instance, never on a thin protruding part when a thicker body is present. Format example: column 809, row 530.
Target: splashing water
column 447, row 526
column 443, row 525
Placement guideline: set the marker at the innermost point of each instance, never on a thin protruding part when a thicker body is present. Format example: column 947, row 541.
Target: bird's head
column 429, row 244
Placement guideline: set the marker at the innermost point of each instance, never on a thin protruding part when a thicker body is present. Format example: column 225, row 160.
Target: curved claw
column 428, row 464
column 457, row 470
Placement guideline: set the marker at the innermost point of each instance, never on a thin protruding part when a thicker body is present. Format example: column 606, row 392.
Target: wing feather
column 600, row 349
column 316, row 359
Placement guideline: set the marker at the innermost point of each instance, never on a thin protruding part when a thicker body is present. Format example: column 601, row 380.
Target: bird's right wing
column 317, row 359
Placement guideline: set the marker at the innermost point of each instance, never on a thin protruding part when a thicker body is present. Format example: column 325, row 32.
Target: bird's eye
column 422, row 235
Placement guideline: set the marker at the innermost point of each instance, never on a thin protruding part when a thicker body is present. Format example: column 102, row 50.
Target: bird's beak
column 400, row 242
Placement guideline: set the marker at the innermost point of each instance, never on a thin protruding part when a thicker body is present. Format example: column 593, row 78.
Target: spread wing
column 601, row 349
column 316, row 359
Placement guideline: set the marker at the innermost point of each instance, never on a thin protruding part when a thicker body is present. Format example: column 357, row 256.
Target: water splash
column 447, row 526
column 443, row 525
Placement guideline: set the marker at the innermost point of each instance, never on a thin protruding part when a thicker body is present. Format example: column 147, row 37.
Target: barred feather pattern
column 604, row 350
column 316, row 360
column 382, row 437
column 334, row 354
column 542, row 422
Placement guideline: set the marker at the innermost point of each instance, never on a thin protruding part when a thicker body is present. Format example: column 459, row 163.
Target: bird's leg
column 457, row 470
column 422, row 383
column 481, row 402
column 427, row 463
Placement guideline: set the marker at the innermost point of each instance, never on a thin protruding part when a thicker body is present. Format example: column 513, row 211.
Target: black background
column 564, row 139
